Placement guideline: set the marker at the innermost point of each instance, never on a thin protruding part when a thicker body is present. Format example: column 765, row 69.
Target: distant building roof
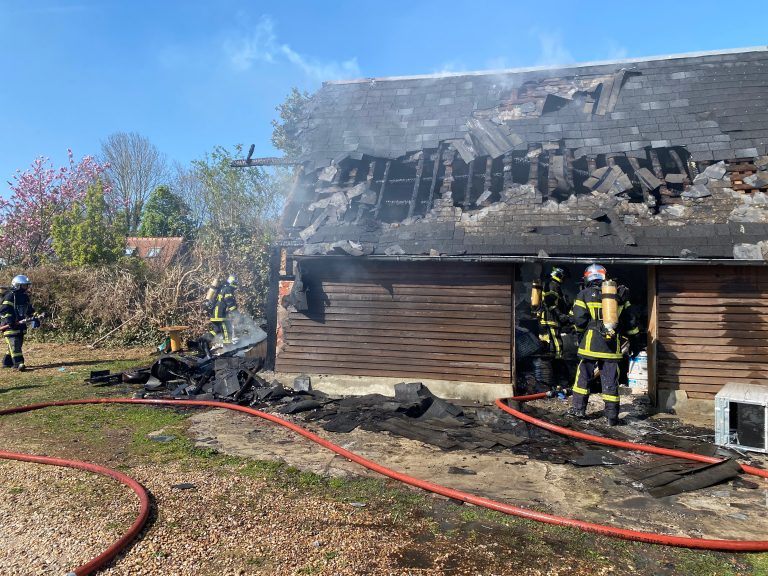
column 160, row 249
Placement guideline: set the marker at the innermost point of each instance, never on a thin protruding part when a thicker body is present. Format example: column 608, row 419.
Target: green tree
column 293, row 112
column 234, row 199
column 83, row 235
column 237, row 211
column 165, row 214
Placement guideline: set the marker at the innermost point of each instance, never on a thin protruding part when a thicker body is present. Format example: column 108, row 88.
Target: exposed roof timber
column 556, row 67
column 268, row 161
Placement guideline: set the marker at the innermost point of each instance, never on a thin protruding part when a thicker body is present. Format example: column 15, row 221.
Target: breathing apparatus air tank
column 535, row 295
column 213, row 289
column 610, row 306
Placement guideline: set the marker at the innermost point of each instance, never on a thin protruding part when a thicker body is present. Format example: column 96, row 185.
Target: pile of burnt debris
column 417, row 414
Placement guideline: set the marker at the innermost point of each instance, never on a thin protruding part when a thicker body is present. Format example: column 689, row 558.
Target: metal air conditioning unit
column 741, row 417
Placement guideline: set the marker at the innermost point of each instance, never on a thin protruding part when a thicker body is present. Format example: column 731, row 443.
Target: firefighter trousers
column 609, row 381
column 14, row 357
column 222, row 329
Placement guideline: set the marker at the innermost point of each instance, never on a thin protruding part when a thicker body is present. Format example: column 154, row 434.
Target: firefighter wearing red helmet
column 600, row 345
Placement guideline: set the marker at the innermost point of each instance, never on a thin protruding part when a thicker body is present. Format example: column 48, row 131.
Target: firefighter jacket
column 554, row 306
column 551, row 315
column 224, row 305
column 15, row 307
column 587, row 316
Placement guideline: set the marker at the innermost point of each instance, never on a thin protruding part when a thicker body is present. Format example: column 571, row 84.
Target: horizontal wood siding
column 712, row 328
column 411, row 320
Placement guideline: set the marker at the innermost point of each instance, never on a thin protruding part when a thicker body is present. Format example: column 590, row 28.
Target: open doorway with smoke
column 535, row 369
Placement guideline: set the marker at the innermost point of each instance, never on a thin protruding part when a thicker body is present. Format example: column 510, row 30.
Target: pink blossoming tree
column 40, row 194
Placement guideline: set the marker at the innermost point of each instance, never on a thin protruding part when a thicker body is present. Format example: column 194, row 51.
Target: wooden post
column 272, row 298
column 652, row 335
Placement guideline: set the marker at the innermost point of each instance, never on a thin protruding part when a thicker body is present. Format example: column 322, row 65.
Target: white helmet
column 20, row 280
column 594, row 272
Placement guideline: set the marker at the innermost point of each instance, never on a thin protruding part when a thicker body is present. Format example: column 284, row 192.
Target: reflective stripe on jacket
column 15, row 306
column 587, row 316
column 225, row 304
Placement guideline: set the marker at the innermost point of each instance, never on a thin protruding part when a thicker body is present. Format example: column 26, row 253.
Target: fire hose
column 636, row 535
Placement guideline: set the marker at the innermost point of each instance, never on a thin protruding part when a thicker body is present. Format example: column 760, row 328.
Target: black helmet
column 557, row 274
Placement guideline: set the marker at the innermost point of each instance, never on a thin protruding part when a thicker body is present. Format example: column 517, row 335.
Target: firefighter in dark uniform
column 552, row 317
column 599, row 347
column 221, row 312
column 15, row 311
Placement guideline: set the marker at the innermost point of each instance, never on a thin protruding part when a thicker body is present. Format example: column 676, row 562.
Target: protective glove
column 636, row 345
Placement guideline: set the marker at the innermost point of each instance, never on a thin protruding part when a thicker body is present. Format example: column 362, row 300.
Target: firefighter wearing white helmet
column 15, row 312
column 601, row 339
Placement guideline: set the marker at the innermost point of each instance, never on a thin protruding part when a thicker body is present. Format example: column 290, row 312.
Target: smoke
column 246, row 333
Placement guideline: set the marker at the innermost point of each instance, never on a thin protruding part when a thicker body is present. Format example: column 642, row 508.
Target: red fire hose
column 129, row 536
column 649, row 537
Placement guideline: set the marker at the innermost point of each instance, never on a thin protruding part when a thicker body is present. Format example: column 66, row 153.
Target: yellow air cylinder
column 212, row 291
column 535, row 294
column 610, row 303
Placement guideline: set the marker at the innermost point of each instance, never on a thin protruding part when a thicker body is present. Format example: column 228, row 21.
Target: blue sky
column 194, row 74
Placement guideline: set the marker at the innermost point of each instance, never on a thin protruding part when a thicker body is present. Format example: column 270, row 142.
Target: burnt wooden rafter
column 659, row 172
column 416, row 184
column 680, row 165
column 433, row 184
column 468, row 190
column 383, row 188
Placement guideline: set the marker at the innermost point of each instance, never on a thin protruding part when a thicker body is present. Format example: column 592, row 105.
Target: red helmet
column 594, row 272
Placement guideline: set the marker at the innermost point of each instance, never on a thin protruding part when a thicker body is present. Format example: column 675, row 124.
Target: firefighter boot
column 579, row 408
column 612, row 413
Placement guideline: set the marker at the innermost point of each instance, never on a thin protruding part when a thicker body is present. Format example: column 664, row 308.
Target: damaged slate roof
column 663, row 157
column 715, row 105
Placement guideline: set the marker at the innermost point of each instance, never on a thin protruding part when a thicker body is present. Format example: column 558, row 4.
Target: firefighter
column 600, row 346
column 16, row 312
column 552, row 317
column 222, row 308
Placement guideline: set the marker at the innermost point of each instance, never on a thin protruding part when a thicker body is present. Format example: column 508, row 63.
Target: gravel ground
column 55, row 519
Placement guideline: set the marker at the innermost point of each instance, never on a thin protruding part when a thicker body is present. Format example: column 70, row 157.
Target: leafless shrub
column 86, row 303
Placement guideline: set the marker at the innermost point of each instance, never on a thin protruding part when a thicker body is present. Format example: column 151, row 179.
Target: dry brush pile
column 134, row 299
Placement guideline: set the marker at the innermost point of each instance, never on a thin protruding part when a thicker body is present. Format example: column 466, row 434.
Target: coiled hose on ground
column 649, row 537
